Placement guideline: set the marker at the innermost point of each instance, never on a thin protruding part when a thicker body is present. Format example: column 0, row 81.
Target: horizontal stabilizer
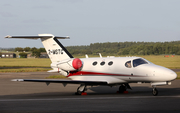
column 36, row 37
column 63, row 81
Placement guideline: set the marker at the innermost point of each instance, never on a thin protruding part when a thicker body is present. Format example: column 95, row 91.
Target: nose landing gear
column 154, row 91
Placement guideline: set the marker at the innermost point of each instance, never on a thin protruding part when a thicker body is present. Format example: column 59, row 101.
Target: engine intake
column 69, row 64
column 77, row 63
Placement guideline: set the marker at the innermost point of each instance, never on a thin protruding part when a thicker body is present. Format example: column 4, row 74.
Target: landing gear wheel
column 155, row 92
column 80, row 89
column 122, row 88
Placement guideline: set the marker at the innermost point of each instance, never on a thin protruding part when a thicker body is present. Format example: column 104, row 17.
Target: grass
column 23, row 70
column 24, row 62
column 170, row 62
column 56, row 77
column 39, row 63
column 27, row 65
column 178, row 75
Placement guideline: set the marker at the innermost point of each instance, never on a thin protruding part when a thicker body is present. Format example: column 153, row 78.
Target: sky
column 89, row 21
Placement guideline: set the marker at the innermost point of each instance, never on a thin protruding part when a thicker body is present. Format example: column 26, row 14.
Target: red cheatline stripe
column 96, row 73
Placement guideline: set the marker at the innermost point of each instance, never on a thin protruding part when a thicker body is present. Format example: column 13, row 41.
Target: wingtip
column 8, row 36
column 19, row 80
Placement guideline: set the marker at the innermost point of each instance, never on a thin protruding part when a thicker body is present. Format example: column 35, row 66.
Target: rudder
column 55, row 50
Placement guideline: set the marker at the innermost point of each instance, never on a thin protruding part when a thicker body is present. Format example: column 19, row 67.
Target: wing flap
column 67, row 81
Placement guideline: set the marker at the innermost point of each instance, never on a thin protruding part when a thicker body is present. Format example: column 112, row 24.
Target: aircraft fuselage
column 115, row 70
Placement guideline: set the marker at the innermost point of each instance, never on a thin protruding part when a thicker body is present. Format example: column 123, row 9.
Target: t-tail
column 55, row 50
column 62, row 60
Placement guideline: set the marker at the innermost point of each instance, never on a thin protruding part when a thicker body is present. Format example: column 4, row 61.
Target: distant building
column 29, row 55
column 44, row 55
column 8, row 55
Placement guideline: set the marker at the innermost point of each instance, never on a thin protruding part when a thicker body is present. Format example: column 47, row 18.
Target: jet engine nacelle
column 69, row 64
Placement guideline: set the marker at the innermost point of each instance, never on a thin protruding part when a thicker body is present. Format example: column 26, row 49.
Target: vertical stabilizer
column 56, row 51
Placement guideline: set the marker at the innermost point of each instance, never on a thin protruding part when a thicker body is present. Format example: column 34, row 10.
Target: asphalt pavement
column 21, row 97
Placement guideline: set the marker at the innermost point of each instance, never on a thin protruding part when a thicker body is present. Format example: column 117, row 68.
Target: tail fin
column 54, row 48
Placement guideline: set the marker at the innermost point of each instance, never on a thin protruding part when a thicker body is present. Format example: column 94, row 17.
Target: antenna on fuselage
column 100, row 55
column 86, row 56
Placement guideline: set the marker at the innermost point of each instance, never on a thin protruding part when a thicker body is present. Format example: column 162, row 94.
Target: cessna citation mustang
column 110, row 71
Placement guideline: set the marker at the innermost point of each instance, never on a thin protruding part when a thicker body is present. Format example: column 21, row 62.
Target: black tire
column 155, row 92
column 79, row 92
column 122, row 88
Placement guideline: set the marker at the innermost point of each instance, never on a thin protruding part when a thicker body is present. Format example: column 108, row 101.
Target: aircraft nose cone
column 173, row 75
column 165, row 74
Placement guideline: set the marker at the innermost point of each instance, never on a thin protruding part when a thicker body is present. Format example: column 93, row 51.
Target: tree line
column 117, row 48
column 128, row 48
column 35, row 51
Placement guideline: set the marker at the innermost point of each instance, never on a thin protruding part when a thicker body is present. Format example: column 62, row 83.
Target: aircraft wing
column 63, row 81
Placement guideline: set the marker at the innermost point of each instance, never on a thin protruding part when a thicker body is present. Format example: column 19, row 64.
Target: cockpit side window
column 128, row 64
column 138, row 62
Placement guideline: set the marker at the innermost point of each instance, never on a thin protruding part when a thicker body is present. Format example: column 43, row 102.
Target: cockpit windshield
column 138, row 62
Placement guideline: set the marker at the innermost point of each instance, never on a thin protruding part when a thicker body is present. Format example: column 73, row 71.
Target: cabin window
column 128, row 64
column 94, row 63
column 102, row 63
column 110, row 63
column 138, row 62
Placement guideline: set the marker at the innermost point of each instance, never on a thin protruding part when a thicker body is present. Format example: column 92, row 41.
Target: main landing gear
column 154, row 91
column 81, row 90
column 123, row 88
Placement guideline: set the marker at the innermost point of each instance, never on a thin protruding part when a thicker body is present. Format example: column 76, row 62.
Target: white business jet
column 109, row 71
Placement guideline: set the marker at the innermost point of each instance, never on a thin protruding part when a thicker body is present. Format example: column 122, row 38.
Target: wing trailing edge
column 64, row 81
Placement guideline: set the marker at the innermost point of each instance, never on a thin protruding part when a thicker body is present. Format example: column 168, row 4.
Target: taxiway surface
column 37, row 97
